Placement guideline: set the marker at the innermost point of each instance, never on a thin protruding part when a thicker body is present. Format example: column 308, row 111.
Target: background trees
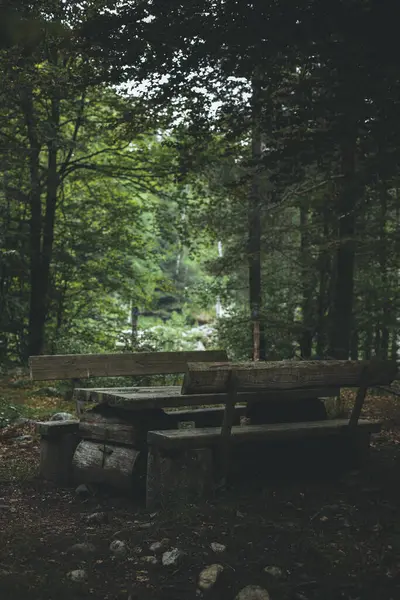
column 271, row 129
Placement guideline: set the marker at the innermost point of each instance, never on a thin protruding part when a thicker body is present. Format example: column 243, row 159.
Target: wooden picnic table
column 165, row 397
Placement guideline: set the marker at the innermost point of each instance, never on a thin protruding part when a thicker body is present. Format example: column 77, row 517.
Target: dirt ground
column 333, row 537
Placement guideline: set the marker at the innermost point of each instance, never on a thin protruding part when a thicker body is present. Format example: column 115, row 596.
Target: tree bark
column 386, row 319
column 324, row 267
column 255, row 229
column 36, row 306
column 307, row 283
column 41, row 226
column 342, row 309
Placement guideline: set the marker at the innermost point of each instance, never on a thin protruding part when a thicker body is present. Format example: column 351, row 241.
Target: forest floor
column 331, row 538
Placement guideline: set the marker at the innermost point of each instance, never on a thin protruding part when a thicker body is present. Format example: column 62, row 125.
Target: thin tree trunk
column 354, row 345
column 255, row 230
column 386, row 319
column 307, row 283
column 324, row 266
column 342, row 309
column 368, row 339
column 134, row 324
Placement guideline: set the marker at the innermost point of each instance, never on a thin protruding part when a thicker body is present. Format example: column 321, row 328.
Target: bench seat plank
column 201, row 438
column 170, row 397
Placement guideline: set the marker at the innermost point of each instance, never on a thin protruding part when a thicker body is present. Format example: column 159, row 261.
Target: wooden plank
column 170, row 397
column 84, row 366
column 109, row 432
column 285, row 375
column 201, row 438
column 57, row 428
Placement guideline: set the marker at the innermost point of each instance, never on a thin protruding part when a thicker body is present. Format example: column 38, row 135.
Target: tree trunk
column 386, row 319
column 254, row 229
column 134, row 324
column 342, row 309
column 324, row 266
column 307, row 283
column 41, row 227
column 36, row 306
column 368, row 339
column 354, row 345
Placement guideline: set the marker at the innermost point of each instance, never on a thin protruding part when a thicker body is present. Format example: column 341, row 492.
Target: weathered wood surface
column 200, row 438
column 84, row 366
column 178, row 480
column 104, row 463
column 57, row 428
column 108, row 432
column 56, row 454
column 170, row 397
column 201, row 378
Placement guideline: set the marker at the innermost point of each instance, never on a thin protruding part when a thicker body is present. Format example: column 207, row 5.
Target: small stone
column 63, row 416
column 85, row 548
column 216, row 547
column 149, row 559
column 253, row 592
column 82, row 490
column 137, row 550
column 144, row 525
column 208, row 577
column 97, row 518
column 118, row 548
column 171, row 557
column 23, row 438
column 78, row 575
column 158, row 546
column 273, row 571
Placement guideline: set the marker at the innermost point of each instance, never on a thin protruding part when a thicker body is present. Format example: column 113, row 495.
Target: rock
column 158, row 546
column 82, row 490
column 137, row 550
column 23, row 438
column 273, row 571
column 208, row 577
column 24, row 421
column 253, row 592
column 149, row 559
column 84, row 548
column 216, row 547
column 78, row 575
column 48, row 391
column 171, row 557
column 63, row 416
column 118, row 548
column 97, row 518
column 143, row 525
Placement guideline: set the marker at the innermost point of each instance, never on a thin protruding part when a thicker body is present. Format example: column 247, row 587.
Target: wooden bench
column 184, row 464
column 70, row 448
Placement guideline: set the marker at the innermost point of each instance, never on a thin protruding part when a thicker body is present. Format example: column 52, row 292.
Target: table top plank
column 141, row 398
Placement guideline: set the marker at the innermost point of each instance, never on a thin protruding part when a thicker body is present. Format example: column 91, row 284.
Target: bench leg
column 56, row 455
column 175, row 478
